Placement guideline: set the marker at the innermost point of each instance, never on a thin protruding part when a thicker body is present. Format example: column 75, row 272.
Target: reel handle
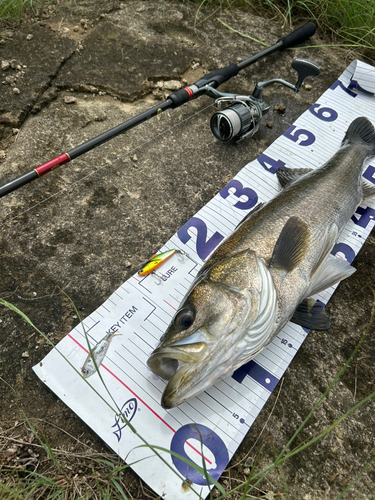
column 304, row 68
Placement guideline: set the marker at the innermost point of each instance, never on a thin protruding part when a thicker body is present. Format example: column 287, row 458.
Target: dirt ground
column 80, row 68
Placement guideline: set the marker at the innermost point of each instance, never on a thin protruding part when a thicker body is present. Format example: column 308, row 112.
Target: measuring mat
column 210, row 426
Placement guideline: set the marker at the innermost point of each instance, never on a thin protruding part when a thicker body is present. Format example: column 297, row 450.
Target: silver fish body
column 98, row 353
column 264, row 273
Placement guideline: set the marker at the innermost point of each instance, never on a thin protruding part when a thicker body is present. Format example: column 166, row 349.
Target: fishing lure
column 157, row 260
column 98, row 354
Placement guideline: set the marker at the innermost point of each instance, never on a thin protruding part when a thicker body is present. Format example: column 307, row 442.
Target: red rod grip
column 50, row 165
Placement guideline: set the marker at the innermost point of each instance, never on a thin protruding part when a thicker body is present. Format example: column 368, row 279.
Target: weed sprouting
column 54, row 483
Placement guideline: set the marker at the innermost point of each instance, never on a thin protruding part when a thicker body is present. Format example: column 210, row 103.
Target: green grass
column 14, row 10
column 352, row 21
column 345, row 22
column 349, row 23
column 105, row 480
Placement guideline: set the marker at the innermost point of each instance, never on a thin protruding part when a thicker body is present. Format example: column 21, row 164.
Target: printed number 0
column 204, row 248
column 344, row 249
column 207, row 437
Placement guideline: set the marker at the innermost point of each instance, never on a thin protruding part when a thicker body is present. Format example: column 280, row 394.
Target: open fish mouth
column 177, row 365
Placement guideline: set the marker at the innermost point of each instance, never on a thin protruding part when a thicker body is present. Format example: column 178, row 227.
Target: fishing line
column 70, row 186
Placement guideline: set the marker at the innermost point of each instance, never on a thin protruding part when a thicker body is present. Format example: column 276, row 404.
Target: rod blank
column 214, row 79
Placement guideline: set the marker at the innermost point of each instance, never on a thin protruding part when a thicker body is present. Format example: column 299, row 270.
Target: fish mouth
column 176, row 364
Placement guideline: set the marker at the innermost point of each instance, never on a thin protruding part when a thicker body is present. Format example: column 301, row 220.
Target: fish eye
column 185, row 317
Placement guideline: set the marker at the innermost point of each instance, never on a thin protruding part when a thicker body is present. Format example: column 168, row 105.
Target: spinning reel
column 242, row 117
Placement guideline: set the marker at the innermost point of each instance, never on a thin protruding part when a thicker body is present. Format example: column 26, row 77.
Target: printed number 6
column 323, row 112
column 251, row 195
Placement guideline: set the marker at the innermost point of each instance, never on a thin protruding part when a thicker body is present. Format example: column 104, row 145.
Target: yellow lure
column 155, row 261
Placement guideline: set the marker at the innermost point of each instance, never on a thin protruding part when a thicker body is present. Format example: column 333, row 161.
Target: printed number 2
column 250, row 194
column 204, row 248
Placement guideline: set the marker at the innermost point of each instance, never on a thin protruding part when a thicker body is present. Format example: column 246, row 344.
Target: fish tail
column 360, row 130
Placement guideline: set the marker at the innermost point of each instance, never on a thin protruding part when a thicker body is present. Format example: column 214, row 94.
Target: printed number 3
column 250, row 194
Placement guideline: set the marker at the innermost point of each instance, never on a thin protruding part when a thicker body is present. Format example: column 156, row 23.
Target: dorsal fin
column 292, row 245
column 368, row 189
column 361, row 129
column 287, row 175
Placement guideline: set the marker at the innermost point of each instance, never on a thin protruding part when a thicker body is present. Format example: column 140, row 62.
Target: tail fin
column 362, row 130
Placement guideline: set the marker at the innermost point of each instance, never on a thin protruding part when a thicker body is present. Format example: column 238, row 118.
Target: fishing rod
column 225, row 126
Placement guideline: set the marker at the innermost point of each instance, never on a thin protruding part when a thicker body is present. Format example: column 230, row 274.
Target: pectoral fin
column 309, row 314
column 292, row 245
column 328, row 274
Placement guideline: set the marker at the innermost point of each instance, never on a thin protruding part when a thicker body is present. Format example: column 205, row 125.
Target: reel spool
column 238, row 121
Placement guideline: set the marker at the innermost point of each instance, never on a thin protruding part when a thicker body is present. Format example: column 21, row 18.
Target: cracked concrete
column 87, row 226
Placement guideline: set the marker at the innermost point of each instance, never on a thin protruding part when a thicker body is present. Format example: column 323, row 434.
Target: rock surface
column 87, row 226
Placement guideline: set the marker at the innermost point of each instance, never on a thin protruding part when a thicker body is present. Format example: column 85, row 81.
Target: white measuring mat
column 140, row 311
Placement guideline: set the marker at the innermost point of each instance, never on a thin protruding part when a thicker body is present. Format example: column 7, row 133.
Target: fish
column 155, row 261
column 266, row 272
column 98, row 353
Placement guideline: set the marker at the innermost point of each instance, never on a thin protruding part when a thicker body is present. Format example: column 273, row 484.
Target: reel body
column 241, row 119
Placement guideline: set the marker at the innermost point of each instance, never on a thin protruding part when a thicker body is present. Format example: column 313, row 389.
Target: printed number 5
column 294, row 135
